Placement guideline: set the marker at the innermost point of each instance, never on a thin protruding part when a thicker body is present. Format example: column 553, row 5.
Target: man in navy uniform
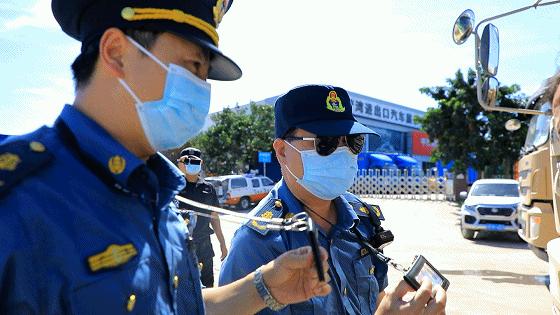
column 197, row 189
column 317, row 142
column 88, row 223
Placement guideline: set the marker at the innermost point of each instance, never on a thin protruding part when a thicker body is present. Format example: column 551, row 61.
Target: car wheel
column 468, row 234
column 244, row 203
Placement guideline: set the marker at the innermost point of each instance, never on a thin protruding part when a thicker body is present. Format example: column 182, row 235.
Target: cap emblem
column 334, row 103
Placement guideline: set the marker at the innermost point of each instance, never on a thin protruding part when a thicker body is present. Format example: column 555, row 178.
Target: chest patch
column 114, row 256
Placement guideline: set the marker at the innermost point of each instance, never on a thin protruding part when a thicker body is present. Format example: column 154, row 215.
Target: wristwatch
column 269, row 300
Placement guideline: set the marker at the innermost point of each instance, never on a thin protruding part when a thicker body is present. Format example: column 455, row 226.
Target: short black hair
column 84, row 65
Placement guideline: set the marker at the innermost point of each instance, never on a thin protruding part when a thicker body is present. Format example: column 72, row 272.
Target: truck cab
column 535, row 211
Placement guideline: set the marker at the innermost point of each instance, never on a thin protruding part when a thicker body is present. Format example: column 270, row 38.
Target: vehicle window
column 267, row 182
column 506, row 190
column 537, row 134
column 238, row 183
column 256, row 183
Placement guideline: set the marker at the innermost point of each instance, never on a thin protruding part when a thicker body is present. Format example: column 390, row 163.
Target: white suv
column 491, row 205
column 241, row 191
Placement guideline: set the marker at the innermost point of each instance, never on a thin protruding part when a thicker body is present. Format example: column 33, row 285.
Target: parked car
column 241, row 191
column 491, row 205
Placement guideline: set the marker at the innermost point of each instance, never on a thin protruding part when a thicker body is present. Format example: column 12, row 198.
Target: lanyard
column 375, row 252
column 298, row 222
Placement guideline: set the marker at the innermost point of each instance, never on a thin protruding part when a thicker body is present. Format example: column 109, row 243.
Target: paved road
column 494, row 274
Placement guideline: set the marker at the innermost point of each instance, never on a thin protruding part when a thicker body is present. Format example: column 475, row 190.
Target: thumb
column 298, row 258
column 402, row 288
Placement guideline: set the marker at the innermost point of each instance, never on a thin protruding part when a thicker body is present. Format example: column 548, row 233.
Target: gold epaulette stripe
column 178, row 16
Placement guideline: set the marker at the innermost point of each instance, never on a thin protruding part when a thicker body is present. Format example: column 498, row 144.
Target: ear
column 280, row 150
column 113, row 48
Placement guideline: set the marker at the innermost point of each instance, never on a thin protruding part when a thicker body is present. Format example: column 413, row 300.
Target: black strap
column 372, row 250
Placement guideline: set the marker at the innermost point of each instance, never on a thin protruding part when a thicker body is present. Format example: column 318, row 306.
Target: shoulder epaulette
column 269, row 209
column 363, row 209
column 20, row 159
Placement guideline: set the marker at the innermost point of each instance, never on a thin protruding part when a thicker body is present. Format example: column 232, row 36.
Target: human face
column 184, row 160
column 147, row 78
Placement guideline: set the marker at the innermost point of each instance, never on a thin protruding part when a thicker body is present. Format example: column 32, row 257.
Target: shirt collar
column 99, row 146
column 346, row 216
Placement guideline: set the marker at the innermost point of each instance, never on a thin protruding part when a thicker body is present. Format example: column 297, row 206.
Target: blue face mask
column 327, row 177
column 180, row 114
column 192, row 169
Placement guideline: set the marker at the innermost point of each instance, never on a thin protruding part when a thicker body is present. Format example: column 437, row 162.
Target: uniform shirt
column 357, row 278
column 58, row 224
column 205, row 193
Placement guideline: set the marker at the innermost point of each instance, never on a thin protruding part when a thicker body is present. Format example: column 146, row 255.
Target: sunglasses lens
column 326, row 145
column 355, row 143
column 192, row 162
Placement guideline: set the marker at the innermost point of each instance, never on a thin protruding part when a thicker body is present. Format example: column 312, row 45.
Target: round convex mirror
column 463, row 27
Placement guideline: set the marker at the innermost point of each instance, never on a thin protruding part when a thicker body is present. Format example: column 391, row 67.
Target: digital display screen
column 427, row 272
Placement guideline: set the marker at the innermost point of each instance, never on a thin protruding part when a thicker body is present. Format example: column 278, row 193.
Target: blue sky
column 384, row 49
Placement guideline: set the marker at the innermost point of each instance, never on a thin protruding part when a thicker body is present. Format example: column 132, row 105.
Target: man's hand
column 292, row 277
column 421, row 303
column 224, row 250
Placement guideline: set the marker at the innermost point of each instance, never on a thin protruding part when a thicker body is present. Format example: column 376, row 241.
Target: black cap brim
column 332, row 128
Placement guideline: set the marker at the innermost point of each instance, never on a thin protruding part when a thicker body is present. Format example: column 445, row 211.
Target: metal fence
column 402, row 184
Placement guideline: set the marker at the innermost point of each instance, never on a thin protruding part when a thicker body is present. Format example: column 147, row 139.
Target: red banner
column 421, row 144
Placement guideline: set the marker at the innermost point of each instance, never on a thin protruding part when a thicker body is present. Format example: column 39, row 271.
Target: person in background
column 190, row 163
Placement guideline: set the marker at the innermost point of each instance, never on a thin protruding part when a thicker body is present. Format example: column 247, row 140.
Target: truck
column 535, row 213
column 535, row 220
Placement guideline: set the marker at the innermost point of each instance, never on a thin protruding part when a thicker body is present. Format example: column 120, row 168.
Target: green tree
column 231, row 145
column 467, row 134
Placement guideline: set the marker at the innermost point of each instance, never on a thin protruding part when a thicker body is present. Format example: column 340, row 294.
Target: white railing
column 402, row 184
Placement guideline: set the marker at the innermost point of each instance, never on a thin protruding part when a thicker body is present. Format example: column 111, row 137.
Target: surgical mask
column 192, row 169
column 327, row 177
column 180, row 114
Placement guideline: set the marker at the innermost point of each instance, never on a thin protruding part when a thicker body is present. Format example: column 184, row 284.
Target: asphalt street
column 494, row 274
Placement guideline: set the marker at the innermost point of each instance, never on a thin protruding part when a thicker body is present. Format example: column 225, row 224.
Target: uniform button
column 175, row 281
column 36, row 146
column 200, row 265
column 278, row 204
column 1, row 183
column 345, row 291
column 131, row 303
column 371, row 270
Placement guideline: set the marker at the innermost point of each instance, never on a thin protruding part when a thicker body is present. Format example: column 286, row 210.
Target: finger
column 423, row 294
column 437, row 304
column 402, row 288
column 322, row 290
column 324, row 254
column 297, row 259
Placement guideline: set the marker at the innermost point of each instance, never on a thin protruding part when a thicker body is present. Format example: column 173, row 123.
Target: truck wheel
column 468, row 234
column 244, row 203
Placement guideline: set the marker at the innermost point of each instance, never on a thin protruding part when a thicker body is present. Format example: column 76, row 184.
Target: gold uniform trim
column 140, row 14
column 113, row 256
column 9, row 161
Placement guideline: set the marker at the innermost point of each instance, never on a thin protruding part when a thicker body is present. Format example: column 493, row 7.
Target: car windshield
column 537, row 134
column 505, row 190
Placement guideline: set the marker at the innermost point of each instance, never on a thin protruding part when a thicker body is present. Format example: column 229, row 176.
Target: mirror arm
column 534, row 6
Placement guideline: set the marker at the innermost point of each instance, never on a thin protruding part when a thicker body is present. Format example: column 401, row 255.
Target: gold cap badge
column 334, row 102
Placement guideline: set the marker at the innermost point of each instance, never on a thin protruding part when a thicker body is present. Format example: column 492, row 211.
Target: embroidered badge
column 117, row 164
column 113, row 256
column 9, row 161
column 377, row 211
column 266, row 215
column 334, row 103
column 220, row 10
column 364, row 210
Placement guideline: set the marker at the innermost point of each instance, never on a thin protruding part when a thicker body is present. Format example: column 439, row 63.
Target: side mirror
column 490, row 50
column 463, row 195
column 513, row 124
column 490, row 91
column 464, row 26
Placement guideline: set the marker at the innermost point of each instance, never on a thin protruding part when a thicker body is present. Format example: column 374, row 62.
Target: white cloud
column 38, row 15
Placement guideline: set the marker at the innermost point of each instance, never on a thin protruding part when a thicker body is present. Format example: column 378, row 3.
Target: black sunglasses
column 327, row 145
column 191, row 161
